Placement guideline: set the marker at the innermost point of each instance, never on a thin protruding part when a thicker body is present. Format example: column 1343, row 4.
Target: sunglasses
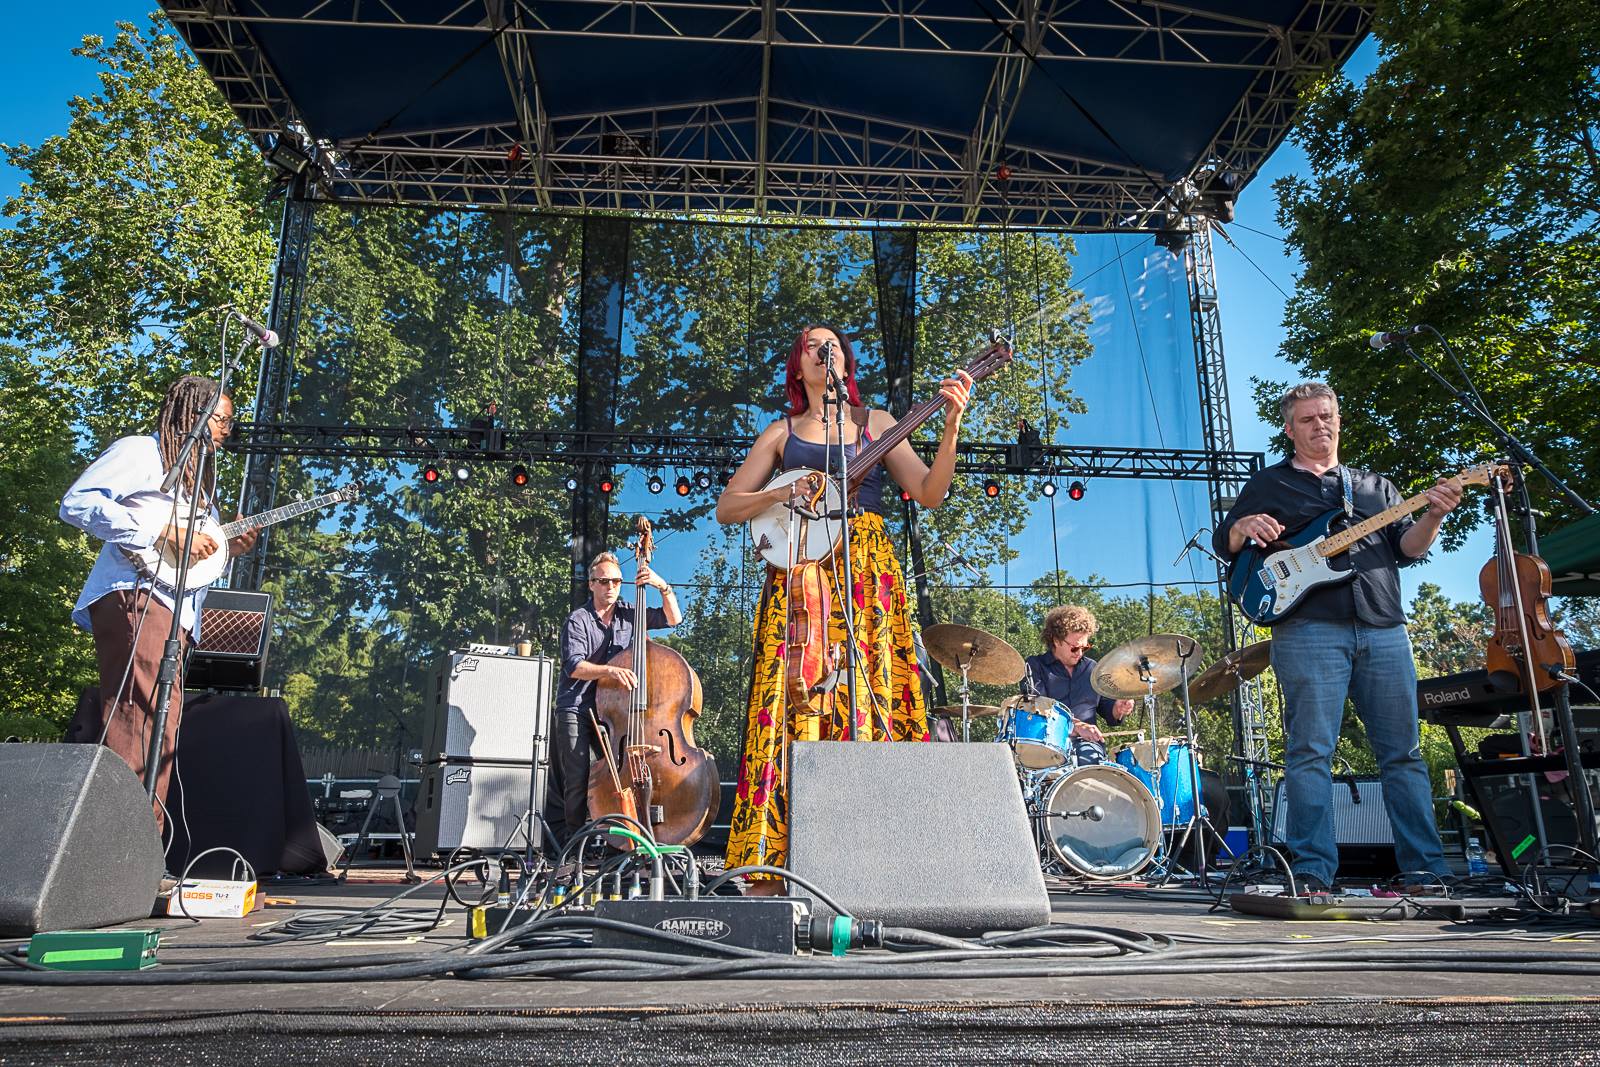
column 605, row 581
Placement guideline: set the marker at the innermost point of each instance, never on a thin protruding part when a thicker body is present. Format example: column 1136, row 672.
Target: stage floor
column 1439, row 1008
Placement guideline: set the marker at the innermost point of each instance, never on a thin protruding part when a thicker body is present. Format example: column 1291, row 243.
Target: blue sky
column 38, row 77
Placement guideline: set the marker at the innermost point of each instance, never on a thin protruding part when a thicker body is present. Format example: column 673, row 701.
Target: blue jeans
column 1318, row 662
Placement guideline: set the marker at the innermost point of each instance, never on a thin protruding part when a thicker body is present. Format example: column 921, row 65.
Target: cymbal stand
column 1147, row 676
column 965, row 665
column 1198, row 818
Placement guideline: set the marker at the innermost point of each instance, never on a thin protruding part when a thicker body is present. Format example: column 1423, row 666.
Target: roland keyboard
column 1467, row 699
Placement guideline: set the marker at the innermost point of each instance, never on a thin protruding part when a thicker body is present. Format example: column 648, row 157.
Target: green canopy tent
column 1573, row 553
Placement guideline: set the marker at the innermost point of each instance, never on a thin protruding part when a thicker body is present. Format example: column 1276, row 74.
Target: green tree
column 1458, row 186
column 130, row 231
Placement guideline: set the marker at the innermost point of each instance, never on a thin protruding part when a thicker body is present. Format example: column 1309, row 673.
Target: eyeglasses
column 224, row 421
column 605, row 581
column 1078, row 648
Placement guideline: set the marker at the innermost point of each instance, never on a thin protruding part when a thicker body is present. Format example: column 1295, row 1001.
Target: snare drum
column 1169, row 755
column 1101, row 822
column 1038, row 732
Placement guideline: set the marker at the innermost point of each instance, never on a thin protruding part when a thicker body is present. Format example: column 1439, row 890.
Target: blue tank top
column 802, row 453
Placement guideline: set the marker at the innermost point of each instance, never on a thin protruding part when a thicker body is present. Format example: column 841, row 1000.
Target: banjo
column 160, row 562
column 769, row 531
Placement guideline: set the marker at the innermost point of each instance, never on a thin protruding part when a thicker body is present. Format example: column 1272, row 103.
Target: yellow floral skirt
column 888, row 692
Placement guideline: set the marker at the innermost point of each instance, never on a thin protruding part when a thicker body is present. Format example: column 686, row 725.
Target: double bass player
column 592, row 635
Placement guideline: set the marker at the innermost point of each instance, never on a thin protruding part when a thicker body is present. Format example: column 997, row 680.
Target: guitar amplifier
column 485, row 753
column 1361, row 827
column 235, row 630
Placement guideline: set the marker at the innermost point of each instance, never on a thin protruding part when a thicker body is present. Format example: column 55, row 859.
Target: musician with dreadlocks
column 129, row 617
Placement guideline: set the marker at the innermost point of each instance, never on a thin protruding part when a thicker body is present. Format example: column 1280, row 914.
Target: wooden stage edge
column 1446, row 1011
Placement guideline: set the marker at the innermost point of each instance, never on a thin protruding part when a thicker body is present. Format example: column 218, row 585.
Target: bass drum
column 1118, row 844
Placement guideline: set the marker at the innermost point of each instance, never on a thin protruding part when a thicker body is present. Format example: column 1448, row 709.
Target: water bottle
column 1476, row 863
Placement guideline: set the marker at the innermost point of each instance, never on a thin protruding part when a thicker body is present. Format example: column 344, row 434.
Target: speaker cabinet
column 235, row 630
column 924, row 835
column 486, row 744
column 1361, row 827
column 81, row 848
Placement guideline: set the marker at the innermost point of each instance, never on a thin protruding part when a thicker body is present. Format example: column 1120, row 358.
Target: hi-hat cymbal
column 975, row 711
column 988, row 658
column 1231, row 671
column 1159, row 658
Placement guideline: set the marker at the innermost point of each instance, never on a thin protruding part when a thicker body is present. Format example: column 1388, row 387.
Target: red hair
column 794, row 386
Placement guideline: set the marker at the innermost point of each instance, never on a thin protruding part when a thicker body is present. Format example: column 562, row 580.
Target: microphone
column 267, row 338
column 1192, row 543
column 825, row 352
column 1384, row 340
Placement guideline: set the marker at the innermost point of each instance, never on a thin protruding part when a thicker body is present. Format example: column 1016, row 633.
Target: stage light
column 1076, row 490
column 655, row 484
column 462, row 472
column 991, row 488
column 519, row 476
column 606, row 485
column 1048, row 488
column 905, row 495
column 1174, row 241
column 430, row 474
column 683, row 485
column 572, row 483
column 702, row 480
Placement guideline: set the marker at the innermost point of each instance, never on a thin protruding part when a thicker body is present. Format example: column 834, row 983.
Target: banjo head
column 770, row 530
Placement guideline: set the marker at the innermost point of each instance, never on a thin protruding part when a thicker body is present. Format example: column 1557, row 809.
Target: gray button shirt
column 585, row 639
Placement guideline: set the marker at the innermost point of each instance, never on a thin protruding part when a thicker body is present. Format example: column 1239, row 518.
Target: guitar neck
column 873, row 454
column 1334, row 544
column 276, row 515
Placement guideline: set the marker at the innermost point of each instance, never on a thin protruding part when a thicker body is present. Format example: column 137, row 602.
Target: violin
column 1516, row 586
column 808, row 657
column 650, row 769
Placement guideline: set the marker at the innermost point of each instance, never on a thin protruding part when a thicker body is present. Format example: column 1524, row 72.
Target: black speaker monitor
column 235, row 630
column 81, row 848
column 923, row 835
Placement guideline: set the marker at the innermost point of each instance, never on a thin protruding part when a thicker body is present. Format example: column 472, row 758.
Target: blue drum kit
column 1094, row 820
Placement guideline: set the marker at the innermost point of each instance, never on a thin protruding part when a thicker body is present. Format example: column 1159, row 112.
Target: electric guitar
column 159, row 563
column 769, row 531
column 1268, row 582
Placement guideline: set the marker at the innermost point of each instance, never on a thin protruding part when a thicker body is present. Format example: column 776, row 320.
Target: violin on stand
column 650, row 770
column 1528, row 653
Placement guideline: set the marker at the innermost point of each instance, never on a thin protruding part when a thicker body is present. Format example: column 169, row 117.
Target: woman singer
column 889, row 694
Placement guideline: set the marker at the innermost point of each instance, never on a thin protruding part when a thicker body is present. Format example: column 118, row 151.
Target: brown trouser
column 119, row 632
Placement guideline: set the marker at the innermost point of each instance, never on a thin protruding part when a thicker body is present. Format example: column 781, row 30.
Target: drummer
column 1061, row 672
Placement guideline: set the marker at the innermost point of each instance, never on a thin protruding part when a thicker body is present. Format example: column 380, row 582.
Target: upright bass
column 651, row 770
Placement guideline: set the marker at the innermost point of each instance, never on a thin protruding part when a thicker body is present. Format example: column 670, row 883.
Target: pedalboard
column 1334, row 906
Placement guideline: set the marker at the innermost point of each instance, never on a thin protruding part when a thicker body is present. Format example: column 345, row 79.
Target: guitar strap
column 1349, row 492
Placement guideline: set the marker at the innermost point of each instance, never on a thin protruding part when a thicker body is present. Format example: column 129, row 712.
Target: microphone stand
column 1519, row 455
column 199, row 436
column 836, row 395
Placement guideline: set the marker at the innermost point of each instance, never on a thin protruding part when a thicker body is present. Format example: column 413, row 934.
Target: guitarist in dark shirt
column 1343, row 640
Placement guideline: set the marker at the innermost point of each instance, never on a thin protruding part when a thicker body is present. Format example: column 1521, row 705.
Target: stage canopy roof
column 882, row 111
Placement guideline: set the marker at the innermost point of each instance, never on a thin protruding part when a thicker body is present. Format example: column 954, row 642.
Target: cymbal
column 1231, row 671
column 1122, row 674
column 976, row 711
column 989, row 658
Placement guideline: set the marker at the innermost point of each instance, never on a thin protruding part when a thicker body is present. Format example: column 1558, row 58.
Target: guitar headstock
column 349, row 492
column 1483, row 473
column 644, row 545
column 991, row 359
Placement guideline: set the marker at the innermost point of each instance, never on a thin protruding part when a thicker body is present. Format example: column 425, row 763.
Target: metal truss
column 699, row 451
column 766, row 156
